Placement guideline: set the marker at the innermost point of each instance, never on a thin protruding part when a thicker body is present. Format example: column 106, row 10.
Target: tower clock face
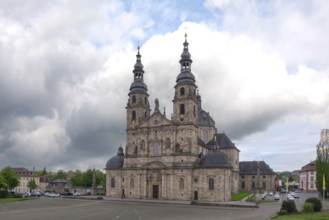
column 156, row 122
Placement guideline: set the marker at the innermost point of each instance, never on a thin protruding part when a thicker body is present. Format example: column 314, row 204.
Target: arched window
column 135, row 151
column 132, row 183
column 182, row 91
column 145, row 100
column 134, row 99
column 181, row 183
column 133, row 116
column 211, row 183
column 167, row 143
column 182, row 109
column 112, row 182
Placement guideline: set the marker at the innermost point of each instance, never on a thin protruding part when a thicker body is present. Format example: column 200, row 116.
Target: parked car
column 264, row 196
column 52, row 194
column 290, row 197
column 295, row 195
column 284, row 191
column 277, row 196
column 36, row 194
column 26, row 194
column 77, row 194
column 270, row 194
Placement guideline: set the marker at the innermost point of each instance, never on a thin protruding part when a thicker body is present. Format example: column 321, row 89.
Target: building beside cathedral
column 181, row 158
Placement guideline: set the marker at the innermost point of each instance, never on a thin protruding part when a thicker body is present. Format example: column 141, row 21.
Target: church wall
column 115, row 191
column 222, row 186
column 235, row 182
column 181, row 192
column 250, row 182
column 233, row 157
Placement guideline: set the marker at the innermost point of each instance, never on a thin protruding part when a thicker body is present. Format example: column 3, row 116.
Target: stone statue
column 157, row 105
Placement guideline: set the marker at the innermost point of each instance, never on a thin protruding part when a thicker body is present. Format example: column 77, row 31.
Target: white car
column 290, row 197
column 295, row 195
column 277, row 196
column 270, row 194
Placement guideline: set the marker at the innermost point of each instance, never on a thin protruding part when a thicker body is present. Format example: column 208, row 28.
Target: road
column 58, row 208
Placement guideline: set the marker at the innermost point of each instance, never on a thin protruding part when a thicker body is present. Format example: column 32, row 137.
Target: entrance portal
column 195, row 195
column 155, row 191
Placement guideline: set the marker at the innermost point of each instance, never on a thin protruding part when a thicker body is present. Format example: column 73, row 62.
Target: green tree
column 60, row 175
column 10, row 177
column 87, row 178
column 100, row 178
column 32, row 185
column 3, row 182
column 41, row 172
column 322, row 167
column 76, row 180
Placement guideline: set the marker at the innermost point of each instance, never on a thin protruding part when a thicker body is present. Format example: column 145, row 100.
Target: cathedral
column 181, row 158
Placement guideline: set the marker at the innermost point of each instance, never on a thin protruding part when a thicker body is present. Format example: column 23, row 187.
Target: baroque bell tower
column 185, row 101
column 138, row 107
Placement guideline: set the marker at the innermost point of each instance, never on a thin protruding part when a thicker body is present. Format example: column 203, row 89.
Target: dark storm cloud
column 94, row 132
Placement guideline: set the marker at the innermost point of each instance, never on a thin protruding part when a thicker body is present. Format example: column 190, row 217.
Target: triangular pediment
column 155, row 120
column 154, row 165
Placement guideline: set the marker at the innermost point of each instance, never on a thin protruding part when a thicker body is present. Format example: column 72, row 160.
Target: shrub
column 317, row 205
column 308, row 207
column 17, row 196
column 4, row 194
column 288, row 206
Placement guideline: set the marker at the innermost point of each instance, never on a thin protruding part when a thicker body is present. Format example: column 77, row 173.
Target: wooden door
column 155, row 191
column 195, row 195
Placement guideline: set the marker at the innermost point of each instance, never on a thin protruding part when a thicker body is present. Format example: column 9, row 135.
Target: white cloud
column 216, row 3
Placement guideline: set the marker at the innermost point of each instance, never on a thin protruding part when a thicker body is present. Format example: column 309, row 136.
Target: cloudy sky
column 66, row 67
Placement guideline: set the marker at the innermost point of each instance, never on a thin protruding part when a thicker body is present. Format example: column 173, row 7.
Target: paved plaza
column 59, row 208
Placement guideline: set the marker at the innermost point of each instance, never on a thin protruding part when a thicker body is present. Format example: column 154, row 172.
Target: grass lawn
column 239, row 196
column 14, row 199
column 324, row 215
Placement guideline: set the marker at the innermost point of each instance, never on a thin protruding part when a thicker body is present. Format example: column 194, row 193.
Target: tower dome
column 116, row 162
column 185, row 75
column 138, row 84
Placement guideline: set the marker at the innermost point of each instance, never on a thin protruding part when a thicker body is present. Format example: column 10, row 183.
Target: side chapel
column 182, row 158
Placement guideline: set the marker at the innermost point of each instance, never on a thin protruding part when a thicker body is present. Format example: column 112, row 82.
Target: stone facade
column 256, row 175
column 182, row 158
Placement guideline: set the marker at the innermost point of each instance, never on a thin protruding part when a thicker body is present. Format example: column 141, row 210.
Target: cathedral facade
column 181, row 158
